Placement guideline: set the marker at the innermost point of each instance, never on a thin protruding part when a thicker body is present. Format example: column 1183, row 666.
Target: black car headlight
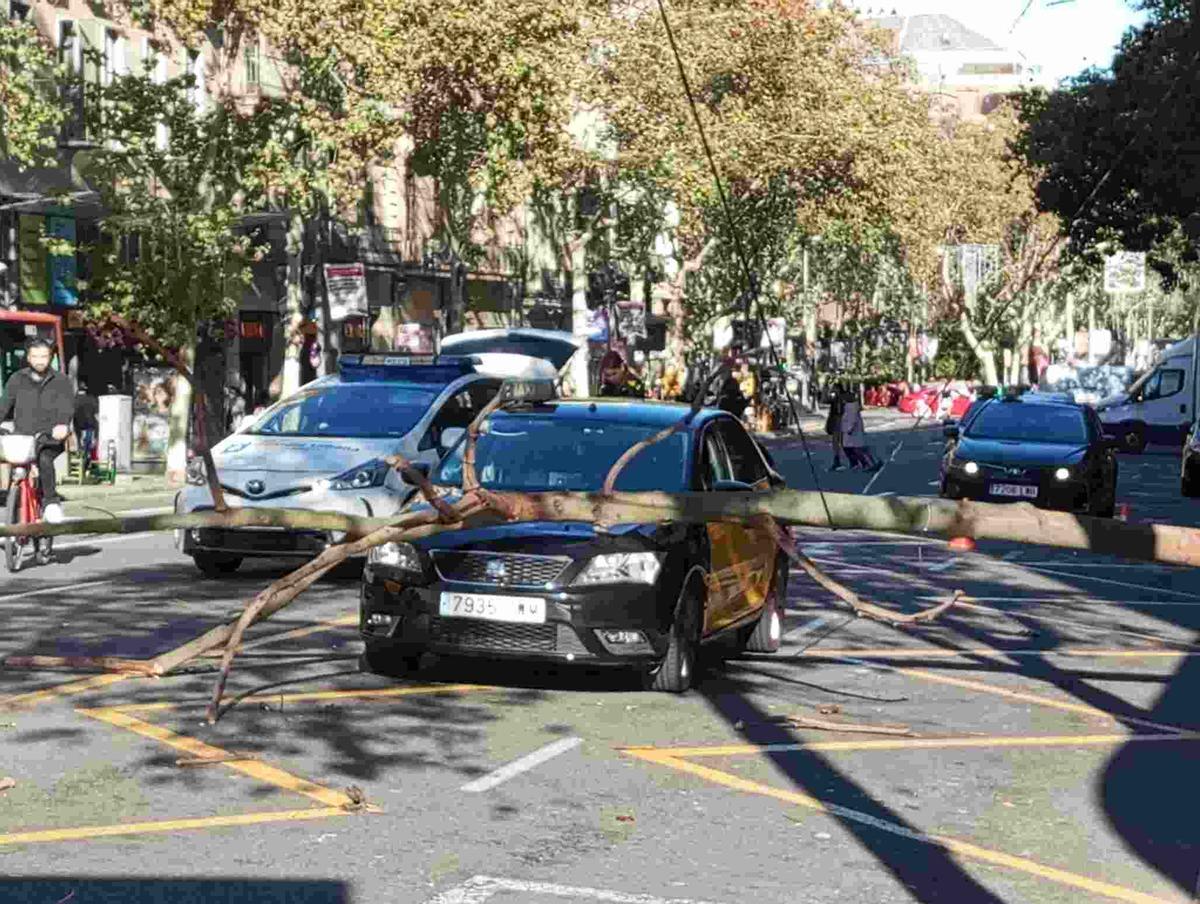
column 966, row 466
column 371, row 474
column 620, row 568
column 1063, row 473
column 403, row 556
column 196, row 473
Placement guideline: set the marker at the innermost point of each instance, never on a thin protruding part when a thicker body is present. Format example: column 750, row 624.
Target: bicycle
column 24, row 505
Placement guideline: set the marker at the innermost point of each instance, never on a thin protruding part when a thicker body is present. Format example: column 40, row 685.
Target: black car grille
column 499, row 569
column 999, row 472
column 262, row 540
column 482, row 635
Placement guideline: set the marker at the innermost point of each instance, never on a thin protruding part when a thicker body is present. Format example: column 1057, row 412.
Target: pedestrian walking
column 854, row 436
column 833, row 426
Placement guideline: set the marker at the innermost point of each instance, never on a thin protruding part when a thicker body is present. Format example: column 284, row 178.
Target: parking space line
column 480, row 889
column 255, row 769
column 952, row 845
column 102, row 538
column 367, row 693
column 1098, row 740
column 992, row 652
column 1079, row 601
column 84, row 833
column 1092, row 577
column 1019, row 696
column 46, row 591
column 807, row 628
column 524, row 764
column 57, row 691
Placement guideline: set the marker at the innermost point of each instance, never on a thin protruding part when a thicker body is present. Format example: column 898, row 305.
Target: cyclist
column 40, row 400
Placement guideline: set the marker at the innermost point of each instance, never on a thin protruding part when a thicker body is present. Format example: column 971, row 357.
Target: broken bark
column 82, row 664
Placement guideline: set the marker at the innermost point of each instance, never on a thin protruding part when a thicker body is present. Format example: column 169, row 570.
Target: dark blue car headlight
column 371, row 474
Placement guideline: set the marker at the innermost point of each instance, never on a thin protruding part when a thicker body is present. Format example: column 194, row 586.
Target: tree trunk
column 293, row 340
column 178, row 420
column 985, row 356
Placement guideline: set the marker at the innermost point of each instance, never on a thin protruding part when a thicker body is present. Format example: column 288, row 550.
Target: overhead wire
column 740, row 252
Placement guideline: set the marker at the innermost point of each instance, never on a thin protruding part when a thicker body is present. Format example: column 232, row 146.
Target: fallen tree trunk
column 1019, row 522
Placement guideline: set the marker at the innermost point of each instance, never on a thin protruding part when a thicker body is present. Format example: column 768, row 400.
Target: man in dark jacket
column 39, row 400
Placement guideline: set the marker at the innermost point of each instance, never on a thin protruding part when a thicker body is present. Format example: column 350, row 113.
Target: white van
column 1157, row 408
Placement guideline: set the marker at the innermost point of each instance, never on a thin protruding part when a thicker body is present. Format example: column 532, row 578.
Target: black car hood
column 539, row 537
column 1026, row 454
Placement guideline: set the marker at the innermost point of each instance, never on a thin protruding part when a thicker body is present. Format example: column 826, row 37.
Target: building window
column 18, row 10
column 114, row 56
column 194, row 66
column 69, row 48
column 253, row 69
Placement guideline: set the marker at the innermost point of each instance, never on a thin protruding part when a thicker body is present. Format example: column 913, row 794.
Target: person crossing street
column 40, row 401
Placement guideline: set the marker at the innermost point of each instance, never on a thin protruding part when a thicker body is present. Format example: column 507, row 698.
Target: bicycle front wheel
column 12, row 515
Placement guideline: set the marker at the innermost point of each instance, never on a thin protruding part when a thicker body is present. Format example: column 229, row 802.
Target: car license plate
column 489, row 607
column 1013, row 489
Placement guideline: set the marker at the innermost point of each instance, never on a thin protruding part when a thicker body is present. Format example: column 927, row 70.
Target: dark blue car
column 1037, row 449
column 640, row 595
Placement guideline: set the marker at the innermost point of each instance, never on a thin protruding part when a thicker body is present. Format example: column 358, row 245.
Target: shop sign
column 631, row 319
column 153, row 393
column 775, row 335
column 64, row 290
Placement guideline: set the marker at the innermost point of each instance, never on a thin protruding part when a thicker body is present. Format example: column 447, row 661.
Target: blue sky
column 1061, row 37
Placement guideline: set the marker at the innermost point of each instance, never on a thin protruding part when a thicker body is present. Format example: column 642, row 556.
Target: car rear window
column 352, row 410
column 1029, row 423
column 541, row 453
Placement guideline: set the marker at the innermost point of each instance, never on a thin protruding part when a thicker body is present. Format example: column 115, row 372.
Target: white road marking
column 123, row 513
column 806, row 628
column 115, row 538
column 934, row 483
column 1089, row 601
column 942, row 566
column 479, row 889
column 47, row 591
column 524, row 764
column 1107, row 565
column 1009, row 556
column 1092, row 577
column 885, row 493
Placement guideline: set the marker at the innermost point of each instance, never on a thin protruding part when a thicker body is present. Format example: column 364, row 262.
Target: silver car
column 324, row 448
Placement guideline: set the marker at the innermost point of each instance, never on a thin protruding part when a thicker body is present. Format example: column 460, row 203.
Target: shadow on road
column 177, row 891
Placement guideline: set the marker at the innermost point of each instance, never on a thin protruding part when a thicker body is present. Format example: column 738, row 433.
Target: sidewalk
column 131, row 492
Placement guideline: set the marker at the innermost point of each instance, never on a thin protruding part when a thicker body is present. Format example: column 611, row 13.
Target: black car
column 643, row 595
column 1035, row 449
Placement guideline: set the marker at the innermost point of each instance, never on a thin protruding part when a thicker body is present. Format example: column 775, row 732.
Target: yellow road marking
column 33, row 698
column 253, row 768
column 952, row 845
column 920, row 744
column 168, row 825
column 377, row 693
column 941, row 653
column 1027, row 697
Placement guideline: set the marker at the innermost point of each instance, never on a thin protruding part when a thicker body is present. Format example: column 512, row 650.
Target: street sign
column 775, row 335
column 1125, row 271
column 346, row 286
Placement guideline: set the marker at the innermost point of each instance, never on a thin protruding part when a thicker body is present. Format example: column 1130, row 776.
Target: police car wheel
column 215, row 565
column 676, row 672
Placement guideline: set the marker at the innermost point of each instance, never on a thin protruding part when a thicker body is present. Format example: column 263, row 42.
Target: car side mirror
column 950, row 431
column 451, row 436
column 732, row 486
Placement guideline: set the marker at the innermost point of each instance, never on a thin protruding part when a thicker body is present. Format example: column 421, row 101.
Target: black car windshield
column 547, row 453
column 353, row 410
column 1029, row 423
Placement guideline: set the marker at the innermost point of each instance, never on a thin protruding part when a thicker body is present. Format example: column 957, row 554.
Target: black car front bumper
column 578, row 623
column 1061, row 495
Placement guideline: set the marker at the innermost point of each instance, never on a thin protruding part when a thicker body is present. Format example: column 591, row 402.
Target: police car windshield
column 531, row 453
column 1033, row 423
column 352, row 410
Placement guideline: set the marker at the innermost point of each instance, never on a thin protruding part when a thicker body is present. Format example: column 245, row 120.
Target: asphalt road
column 1049, row 755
